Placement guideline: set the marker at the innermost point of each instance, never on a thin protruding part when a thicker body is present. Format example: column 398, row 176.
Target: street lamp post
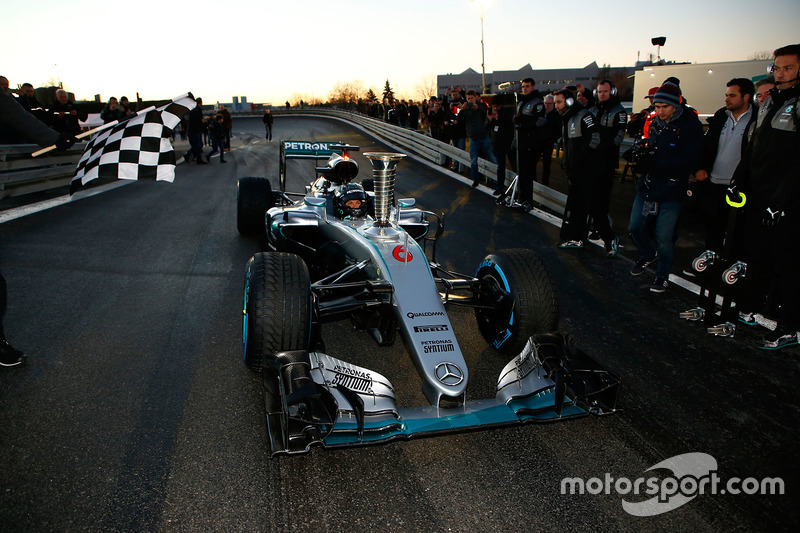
column 480, row 3
column 483, row 58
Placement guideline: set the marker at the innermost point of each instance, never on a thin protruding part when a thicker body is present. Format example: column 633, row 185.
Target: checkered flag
column 137, row 148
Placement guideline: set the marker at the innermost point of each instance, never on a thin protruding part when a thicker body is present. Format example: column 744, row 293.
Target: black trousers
column 545, row 151
column 528, row 155
column 3, row 303
column 772, row 256
column 583, row 200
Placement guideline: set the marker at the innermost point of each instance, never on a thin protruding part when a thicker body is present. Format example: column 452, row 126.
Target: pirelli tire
column 253, row 198
column 277, row 307
column 521, row 297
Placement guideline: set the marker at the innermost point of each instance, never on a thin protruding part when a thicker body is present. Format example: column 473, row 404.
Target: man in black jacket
column 474, row 116
column 65, row 116
column 611, row 120
column 581, row 163
column 501, row 124
column 768, row 174
column 530, row 120
column 194, row 126
column 549, row 134
column 111, row 111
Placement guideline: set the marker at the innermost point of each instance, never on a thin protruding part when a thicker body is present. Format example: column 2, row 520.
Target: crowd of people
column 62, row 116
column 748, row 150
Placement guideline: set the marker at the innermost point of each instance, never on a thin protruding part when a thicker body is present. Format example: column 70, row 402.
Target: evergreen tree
column 388, row 93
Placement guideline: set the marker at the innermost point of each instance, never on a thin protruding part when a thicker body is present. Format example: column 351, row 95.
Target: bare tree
column 763, row 54
column 346, row 92
column 427, row 87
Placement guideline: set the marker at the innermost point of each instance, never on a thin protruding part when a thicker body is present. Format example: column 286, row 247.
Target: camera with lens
column 641, row 154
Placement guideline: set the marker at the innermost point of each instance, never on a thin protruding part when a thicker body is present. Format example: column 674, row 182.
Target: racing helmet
column 350, row 200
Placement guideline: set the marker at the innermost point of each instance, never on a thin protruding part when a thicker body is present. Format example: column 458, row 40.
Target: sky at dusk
column 269, row 51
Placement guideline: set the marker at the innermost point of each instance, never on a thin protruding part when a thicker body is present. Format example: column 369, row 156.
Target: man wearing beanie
column 769, row 175
column 676, row 139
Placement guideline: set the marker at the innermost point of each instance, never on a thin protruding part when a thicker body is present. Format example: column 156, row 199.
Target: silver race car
column 346, row 251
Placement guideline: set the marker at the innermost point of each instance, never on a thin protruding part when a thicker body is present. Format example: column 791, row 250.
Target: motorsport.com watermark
column 693, row 474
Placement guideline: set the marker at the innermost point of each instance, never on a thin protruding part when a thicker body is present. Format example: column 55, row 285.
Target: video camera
column 500, row 99
column 641, row 155
column 642, row 149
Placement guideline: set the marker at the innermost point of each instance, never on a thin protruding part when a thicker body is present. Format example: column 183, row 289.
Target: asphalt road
column 136, row 413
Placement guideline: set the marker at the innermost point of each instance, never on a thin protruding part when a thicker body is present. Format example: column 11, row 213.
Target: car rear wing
column 290, row 149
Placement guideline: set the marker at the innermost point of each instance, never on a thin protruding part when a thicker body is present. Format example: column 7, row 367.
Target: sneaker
column 780, row 338
column 612, row 247
column 10, row 356
column 641, row 265
column 690, row 273
column 571, row 244
column 748, row 318
column 594, row 235
column 659, row 285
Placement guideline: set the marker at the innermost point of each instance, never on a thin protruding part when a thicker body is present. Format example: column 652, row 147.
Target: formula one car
column 341, row 251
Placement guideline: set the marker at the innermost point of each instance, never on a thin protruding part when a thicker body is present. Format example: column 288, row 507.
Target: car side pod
column 313, row 398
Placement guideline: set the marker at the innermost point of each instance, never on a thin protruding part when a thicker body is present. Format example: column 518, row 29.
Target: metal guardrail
column 434, row 151
column 22, row 174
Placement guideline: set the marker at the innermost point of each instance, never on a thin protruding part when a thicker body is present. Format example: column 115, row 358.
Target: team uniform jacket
column 581, row 140
column 769, row 171
column 531, row 116
column 611, row 120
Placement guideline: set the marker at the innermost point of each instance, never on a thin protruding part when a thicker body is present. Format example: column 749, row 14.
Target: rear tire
column 277, row 307
column 517, row 274
column 253, row 198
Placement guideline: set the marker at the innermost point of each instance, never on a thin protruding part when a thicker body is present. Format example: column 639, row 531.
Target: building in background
column 547, row 80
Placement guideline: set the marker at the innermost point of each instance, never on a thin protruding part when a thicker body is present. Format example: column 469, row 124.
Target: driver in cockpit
column 350, row 201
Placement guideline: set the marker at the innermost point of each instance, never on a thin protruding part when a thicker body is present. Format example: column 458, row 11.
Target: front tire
column 277, row 307
column 253, row 198
column 519, row 299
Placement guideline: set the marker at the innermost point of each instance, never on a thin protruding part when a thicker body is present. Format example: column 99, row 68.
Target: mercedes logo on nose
column 449, row 374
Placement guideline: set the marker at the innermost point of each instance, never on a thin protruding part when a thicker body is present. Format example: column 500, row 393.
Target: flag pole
column 79, row 136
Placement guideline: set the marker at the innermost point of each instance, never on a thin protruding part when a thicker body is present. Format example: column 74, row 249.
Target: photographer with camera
column 474, row 116
column 501, row 123
column 453, row 100
column 665, row 160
